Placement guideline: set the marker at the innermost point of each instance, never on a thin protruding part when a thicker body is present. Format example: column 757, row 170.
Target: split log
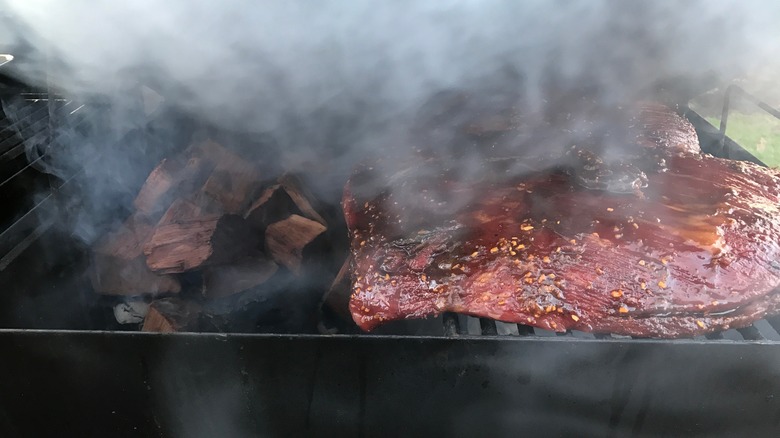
column 179, row 176
column 248, row 273
column 119, row 267
column 172, row 178
column 190, row 244
column 302, row 198
column 181, row 210
column 286, row 240
column 171, row 315
column 273, row 205
column 233, row 183
column 158, row 186
column 281, row 200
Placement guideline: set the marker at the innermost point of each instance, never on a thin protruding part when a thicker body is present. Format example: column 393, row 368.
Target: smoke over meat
column 663, row 242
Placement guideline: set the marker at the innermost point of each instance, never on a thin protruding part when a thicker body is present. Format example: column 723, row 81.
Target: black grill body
column 138, row 384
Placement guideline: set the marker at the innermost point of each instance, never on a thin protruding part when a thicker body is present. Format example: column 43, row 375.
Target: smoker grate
column 27, row 133
column 455, row 325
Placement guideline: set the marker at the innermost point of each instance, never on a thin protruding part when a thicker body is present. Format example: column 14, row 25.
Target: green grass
column 759, row 133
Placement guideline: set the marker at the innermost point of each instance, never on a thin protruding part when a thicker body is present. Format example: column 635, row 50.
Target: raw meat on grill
column 661, row 241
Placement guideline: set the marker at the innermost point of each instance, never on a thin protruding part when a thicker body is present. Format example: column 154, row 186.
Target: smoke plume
column 351, row 76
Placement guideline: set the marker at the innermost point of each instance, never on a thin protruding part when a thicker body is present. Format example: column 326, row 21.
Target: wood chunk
column 173, row 177
column 222, row 281
column 273, row 205
column 158, row 184
column 191, row 244
column 280, row 201
column 285, row 240
column 181, row 210
column 119, row 266
column 207, row 149
column 233, row 182
column 337, row 296
column 302, row 199
column 171, row 315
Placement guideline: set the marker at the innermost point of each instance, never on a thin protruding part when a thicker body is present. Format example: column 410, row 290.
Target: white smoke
column 250, row 60
column 351, row 75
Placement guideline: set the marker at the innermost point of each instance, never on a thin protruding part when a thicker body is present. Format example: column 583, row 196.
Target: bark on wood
column 171, row 315
column 248, row 273
column 286, row 240
column 191, row 244
column 119, row 266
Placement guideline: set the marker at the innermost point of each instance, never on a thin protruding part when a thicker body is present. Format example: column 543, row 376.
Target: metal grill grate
column 455, row 325
column 26, row 136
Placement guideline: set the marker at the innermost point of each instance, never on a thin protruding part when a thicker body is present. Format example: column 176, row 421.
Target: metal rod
column 750, row 333
column 36, row 126
column 525, row 330
column 774, row 321
column 488, row 327
column 25, row 243
column 451, row 324
column 29, row 165
column 20, row 115
column 724, row 115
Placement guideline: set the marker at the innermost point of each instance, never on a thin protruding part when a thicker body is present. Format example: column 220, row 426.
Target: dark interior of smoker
column 452, row 375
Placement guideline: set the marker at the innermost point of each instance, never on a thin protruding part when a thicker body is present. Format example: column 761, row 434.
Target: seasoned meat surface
column 662, row 241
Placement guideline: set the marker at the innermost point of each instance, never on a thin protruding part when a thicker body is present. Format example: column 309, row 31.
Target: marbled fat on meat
column 691, row 248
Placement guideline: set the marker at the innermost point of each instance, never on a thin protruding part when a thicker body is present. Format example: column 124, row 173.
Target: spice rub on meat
column 687, row 244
